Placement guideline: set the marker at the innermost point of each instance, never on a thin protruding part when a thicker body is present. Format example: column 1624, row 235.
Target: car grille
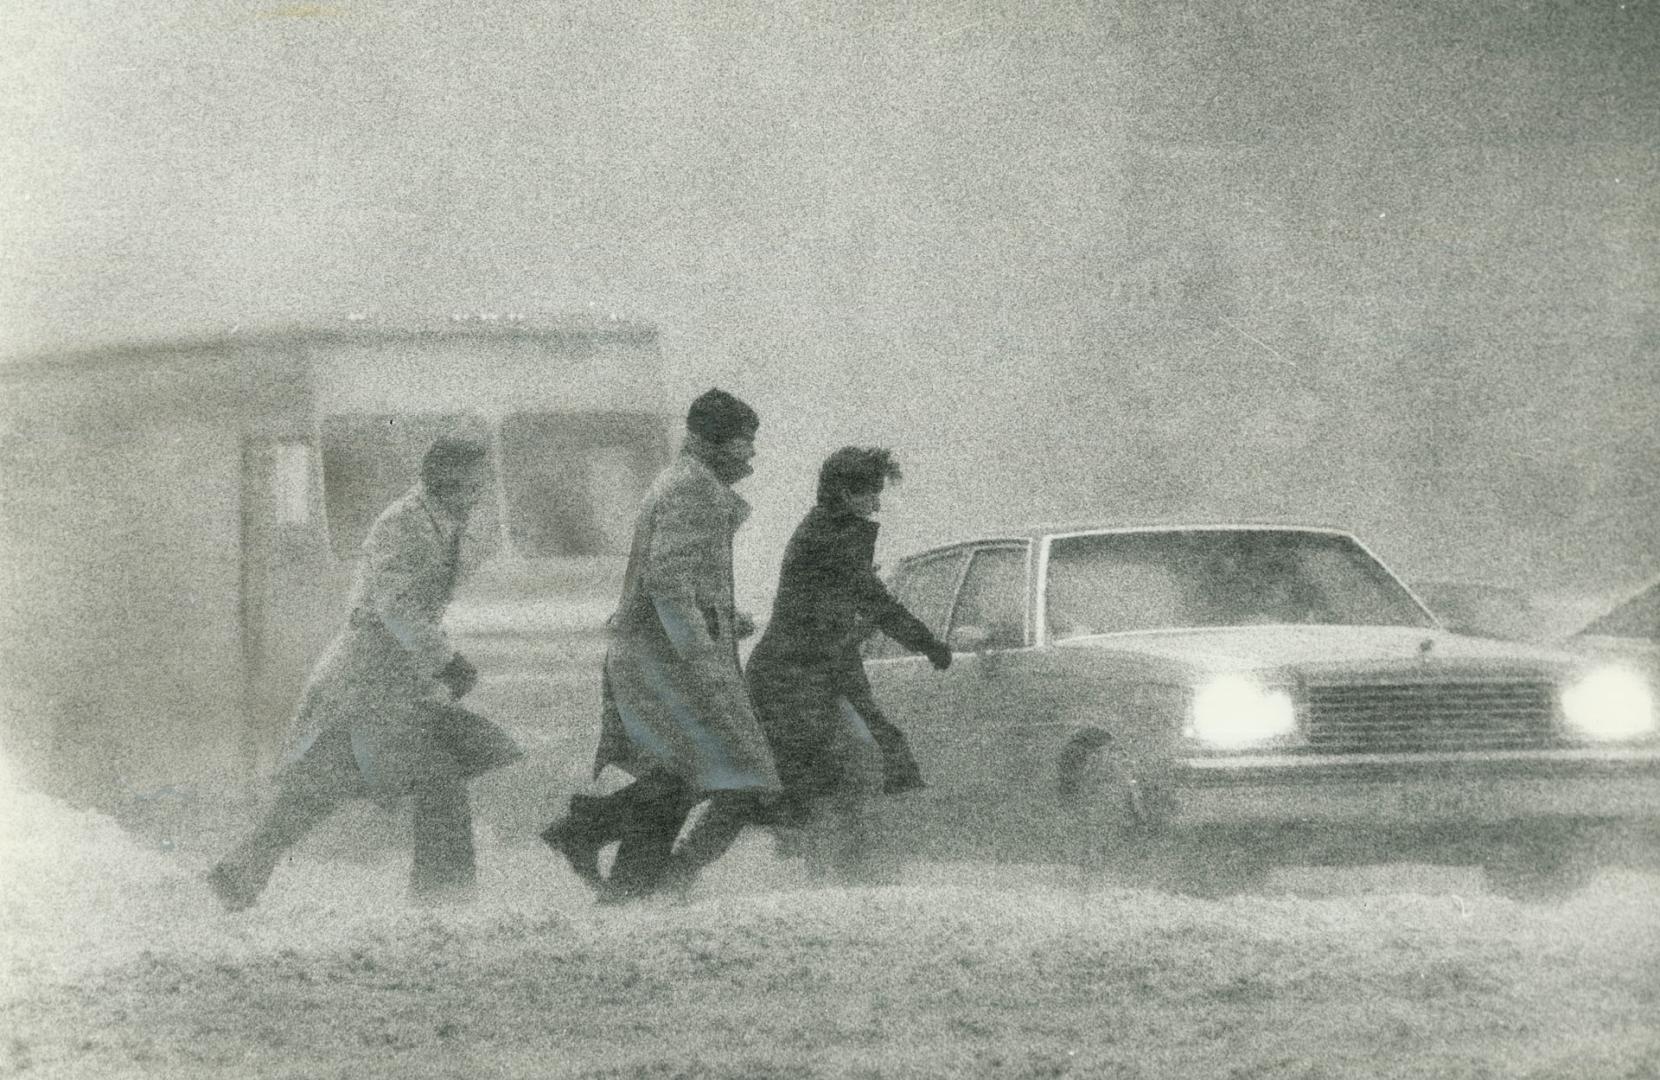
column 1422, row 716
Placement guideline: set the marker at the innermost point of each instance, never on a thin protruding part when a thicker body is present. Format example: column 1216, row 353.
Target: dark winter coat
column 828, row 593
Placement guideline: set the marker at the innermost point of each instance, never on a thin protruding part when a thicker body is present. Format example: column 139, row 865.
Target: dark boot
column 727, row 815
column 233, row 888
column 580, row 835
column 643, row 856
column 650, row 813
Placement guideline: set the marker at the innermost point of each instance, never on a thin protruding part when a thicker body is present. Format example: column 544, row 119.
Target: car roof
column 1039, row 532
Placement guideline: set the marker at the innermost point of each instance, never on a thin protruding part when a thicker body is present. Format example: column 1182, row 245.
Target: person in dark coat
column 833, row 747
column 379, row 717
column 675, row 712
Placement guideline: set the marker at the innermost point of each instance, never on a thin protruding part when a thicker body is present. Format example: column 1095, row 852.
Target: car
column 1194, row 705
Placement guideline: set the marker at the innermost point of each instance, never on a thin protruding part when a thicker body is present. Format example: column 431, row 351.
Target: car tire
column 1107, row 831
column 1117, row 835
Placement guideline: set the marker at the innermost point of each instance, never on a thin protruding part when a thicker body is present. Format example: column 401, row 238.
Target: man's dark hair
column 717, row 416
column 448, row 458
column 855, row 470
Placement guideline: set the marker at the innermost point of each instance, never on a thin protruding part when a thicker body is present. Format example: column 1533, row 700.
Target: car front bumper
column 1435, row 789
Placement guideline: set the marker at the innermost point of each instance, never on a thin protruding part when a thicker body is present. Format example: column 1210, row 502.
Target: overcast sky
column 1393, row 266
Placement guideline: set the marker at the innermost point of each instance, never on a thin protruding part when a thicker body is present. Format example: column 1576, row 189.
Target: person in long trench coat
column 676, row 714
column 378, row 717
column 834, row 749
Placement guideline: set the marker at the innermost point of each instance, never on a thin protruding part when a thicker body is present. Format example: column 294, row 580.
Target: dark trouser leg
column 594, row 821
column 580, row 833
column 728, row 814
column 310, row 792
column 296, row 812
column 853, row 804
column 444, row 859
column 647, row 816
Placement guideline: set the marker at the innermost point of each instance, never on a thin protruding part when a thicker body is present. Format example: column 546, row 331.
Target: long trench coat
column 808, row 658
column 378, row 678
column 673, row 692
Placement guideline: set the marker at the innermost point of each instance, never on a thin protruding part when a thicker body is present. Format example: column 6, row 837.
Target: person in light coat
column 378, row 717
column 676, row 713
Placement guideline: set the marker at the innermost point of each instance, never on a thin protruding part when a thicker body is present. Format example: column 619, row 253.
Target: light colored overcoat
column 378, row 677
column 674, row 694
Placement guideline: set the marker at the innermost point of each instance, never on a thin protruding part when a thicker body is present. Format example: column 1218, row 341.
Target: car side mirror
column 970, row 639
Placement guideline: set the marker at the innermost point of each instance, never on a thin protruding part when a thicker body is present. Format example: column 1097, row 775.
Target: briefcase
column 479, row 745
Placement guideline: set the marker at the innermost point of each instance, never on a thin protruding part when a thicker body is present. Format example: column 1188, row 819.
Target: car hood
column 1315, row 649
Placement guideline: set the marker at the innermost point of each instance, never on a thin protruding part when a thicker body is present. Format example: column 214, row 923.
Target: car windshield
column 1638, row 617
column 1117, row 582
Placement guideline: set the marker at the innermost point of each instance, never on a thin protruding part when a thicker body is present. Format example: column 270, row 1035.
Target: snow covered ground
column 117, row 963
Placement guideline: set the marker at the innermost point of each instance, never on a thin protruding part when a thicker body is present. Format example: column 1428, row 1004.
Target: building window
column 574, row 480
column 369, row 459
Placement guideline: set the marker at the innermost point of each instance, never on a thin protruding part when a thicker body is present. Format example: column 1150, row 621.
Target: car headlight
column 1232, row 711
column 1608, row 704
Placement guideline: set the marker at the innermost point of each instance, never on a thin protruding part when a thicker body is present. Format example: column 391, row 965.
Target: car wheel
column 1107, row 831
column 1116, row 833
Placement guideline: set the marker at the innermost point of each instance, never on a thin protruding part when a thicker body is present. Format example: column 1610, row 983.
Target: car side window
column 991, row 607
column 926, row 588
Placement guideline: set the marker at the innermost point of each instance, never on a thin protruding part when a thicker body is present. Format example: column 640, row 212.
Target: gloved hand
column 743, row 625
column 939, row 654
column 459, row 675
